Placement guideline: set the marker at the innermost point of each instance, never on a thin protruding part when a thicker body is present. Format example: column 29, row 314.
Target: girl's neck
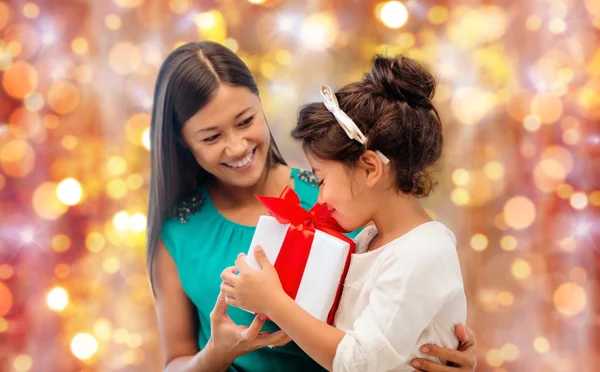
column 397, row 216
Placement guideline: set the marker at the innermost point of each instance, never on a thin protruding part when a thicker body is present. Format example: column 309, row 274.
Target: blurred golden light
column 205, row 20
column 61, row 243
column 111, row 265
column 508, row 243
column 528, row 150
column 231, row 44
column 505, row 298
column 46, row 203
column 579, row 200
column 470, row 104
column 283, row 57
column 25, row 124
column 479, row 242
column 117, row 165
column 84, row 346
column 135, row 127
column 116, row 189
column 135, row 181
column 124, row 58
column 3, row 325
column 94, row 242
column 57, row 299
column 6, row 271
column 138, row 222
column 494, row 170
column 564, row 191
column 69, row 191
column 22, row 363
column 103, row 329
column 567, row 244
column 557, row 26
column 63, row 97
column 51, row 121
column 17, row 158
column 121, row 221
column 532, row 123
column 552, row 169
column 62, row 270
column 31, row 10
column 146, row 138
column 570, row 299
column 494, row 358
column 541, row 345
column 112, row 21
column 120, row 335
column 20, row 80
column 27, row 236
column 179, row 6
column 533, row 23
column 438, row 14
column 34, row 102
column 510, row 352
column 134, row 340
column 460, row 177
column 268, row 70
column 69, row 142
column 318, row 31
column 80, row 45
column 84, row 74
column 460, row 196
column 571, row 136
column 594, row 198
column 256, row 1
column 211, row 26
column 578, row 275
column 547, row 107
column 393, row 14
column 6, row 299
column 5, row 14
column 14, row 48
column 519, row 212
column 520, row 269
column 128, row 3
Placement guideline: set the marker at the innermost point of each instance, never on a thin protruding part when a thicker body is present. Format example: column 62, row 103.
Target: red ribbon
column 293, row 256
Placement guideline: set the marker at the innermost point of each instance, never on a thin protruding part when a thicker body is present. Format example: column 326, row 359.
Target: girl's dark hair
column 187, row 81
column 392, row 107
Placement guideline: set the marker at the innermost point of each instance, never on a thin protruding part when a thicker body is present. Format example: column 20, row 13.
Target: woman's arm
column 464, row 358
column 178, row 327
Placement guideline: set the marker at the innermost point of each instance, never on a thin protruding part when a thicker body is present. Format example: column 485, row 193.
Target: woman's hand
column 463, row 359
column 229, row 340
column 252, row 290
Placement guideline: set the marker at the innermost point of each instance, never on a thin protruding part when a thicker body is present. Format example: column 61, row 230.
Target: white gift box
column 324, row 268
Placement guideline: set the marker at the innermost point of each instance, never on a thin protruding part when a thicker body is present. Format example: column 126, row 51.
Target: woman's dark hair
column 392, row 107
column 187, row 81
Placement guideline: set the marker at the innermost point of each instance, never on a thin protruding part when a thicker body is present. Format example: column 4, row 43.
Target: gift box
column 309, row 251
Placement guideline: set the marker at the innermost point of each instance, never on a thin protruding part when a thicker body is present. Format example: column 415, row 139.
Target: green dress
column 203, row 243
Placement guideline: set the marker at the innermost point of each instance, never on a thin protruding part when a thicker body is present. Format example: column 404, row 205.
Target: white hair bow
column 344, row 120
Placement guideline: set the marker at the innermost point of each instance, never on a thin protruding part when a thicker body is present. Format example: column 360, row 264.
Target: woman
column 212, row 151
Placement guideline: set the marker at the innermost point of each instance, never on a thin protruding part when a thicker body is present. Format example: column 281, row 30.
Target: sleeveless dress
column 203, row 243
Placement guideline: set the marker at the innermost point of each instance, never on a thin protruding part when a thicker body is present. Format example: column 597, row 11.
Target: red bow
column 293, row 256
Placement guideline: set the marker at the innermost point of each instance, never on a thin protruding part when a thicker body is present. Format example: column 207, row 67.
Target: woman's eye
column 211, row 138
column 246, row 122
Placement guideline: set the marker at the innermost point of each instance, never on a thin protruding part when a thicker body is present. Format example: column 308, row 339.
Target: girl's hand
column 252, row 290
column 463, row 359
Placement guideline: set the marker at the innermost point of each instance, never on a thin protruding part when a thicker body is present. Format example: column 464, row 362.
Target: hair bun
column 404, row 79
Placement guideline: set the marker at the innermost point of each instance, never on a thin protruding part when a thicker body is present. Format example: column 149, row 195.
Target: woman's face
column 229, row 137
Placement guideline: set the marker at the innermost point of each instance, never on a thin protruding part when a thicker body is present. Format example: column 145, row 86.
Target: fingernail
column 258, row 248
column 241, row 254
column 416, row 363
column 425, row 349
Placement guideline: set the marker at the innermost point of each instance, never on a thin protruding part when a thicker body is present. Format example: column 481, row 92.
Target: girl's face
column 229, row 137
column 345, row 191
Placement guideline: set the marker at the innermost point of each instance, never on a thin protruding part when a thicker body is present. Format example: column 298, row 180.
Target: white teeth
column 241, row 163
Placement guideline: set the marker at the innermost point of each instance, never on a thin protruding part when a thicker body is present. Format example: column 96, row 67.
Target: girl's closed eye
column 321, row 183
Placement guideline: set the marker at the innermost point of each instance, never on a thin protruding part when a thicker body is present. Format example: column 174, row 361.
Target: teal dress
column 203, row 243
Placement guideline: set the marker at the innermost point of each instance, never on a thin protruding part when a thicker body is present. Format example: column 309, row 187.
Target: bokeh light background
column 519, row 92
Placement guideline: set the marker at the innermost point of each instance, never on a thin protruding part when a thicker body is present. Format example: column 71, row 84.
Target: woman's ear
column 371, row 166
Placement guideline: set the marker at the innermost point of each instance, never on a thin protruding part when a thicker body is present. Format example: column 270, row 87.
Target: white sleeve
column 404, row 300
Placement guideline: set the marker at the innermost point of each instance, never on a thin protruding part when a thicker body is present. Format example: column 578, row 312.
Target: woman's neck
column 397, row 216
column 271, row 183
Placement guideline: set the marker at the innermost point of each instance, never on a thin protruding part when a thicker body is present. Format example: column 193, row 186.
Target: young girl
column 371, row 153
